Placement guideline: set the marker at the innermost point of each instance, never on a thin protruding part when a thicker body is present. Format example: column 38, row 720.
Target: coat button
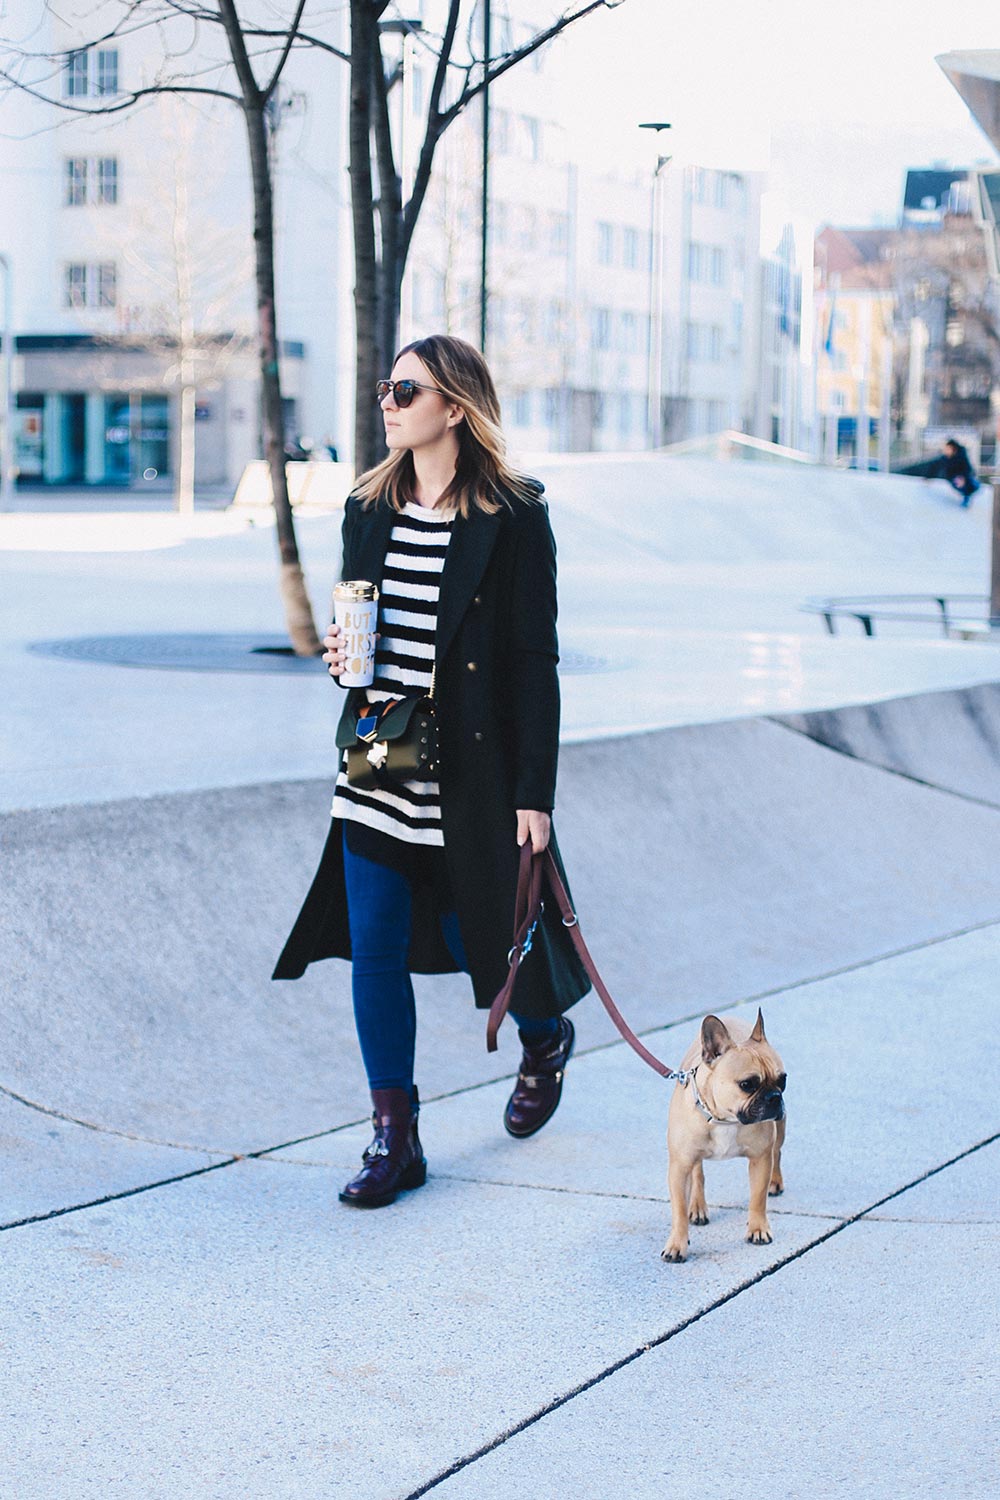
column 471, row 665
column 478, row 735
column 477, row 599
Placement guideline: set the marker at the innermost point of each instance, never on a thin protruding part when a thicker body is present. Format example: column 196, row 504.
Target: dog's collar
column 699, row 1102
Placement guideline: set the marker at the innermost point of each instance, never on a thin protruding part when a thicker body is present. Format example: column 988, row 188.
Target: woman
column 421, row 877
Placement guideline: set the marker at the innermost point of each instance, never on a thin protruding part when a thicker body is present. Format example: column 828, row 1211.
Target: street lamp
column 6, row 409
column 484, row 213
column 655, row 368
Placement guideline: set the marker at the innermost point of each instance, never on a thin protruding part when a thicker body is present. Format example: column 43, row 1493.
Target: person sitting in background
column 957, row 469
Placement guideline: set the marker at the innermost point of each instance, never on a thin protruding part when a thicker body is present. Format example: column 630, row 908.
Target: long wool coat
column 497, row 696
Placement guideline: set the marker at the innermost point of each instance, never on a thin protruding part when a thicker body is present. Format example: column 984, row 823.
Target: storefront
column 69, row 438
column 106, row 412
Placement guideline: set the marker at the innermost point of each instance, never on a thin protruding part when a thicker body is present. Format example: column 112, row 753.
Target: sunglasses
column 402, row 391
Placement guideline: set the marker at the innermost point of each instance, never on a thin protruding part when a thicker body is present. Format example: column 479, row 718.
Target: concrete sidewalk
column 188, row 1311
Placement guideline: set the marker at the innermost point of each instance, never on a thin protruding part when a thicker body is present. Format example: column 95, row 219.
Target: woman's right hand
column 334, row 655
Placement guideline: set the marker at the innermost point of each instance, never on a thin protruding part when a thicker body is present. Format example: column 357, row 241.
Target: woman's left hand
column 534, row 825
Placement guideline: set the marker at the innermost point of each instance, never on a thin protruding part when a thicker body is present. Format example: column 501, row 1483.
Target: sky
column 836, row 100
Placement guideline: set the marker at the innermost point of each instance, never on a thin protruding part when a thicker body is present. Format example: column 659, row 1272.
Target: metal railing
column 952, row 612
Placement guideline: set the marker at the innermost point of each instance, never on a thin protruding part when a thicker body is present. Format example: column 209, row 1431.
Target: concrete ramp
column 949, row 740
column 710, row 865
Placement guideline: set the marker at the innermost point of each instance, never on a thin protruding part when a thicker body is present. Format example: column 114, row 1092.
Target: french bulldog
column 732, row 1104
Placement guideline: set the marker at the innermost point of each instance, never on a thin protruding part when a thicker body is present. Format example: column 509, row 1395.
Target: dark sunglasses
column 402, row 391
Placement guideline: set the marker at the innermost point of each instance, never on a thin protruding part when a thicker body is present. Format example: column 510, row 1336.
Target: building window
column 629, row 333
column 553, row 406
column 626, row 408
column 76, row 286
column 696, row 261
column 531, row 130
column 75, row 82
column 498, row 222
column 107, row 179
column 605, row 244
column 524, row 319
column 76, row 181
column 559, row 233
column 630, row 248
column 106, row 81
column 500, row 132
column 718, row 270
column 721, row 190
column 83, row 78
column 497, row 318
column 107, row 284
column 715, row 344
column 91, row 286
column 520, row 408
column 692, row 341
column 555, row 323
column 526, row 226
column 91, row 181
column 600, row 328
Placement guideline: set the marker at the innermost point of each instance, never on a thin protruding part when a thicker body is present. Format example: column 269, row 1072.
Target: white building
column 625, row 306
column 129, row 237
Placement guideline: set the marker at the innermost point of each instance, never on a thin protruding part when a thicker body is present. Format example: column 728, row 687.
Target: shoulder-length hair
column 484, row 480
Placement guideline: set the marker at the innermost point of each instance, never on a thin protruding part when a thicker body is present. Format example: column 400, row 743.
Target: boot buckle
column 377, row 1148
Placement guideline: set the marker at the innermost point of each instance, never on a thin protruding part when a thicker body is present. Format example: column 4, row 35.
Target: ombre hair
column 484, row 480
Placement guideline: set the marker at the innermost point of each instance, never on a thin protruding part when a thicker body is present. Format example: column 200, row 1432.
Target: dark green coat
column 497, row 695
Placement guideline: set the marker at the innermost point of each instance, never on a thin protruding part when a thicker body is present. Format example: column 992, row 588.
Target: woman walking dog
column 419, row 876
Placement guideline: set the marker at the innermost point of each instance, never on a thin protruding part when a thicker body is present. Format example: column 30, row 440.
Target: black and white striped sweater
column 404, row 662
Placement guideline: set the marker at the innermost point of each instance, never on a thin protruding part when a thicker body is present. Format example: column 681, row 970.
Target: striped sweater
column 404, row 661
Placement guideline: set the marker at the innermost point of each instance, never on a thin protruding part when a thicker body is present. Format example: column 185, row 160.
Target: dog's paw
column 673, row 1253
column 699, row 1215
column 776, row 1188
column 760, row 1235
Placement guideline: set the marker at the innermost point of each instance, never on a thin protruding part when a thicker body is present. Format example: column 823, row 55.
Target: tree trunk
column 298, row 611
column 184, row 493
column 364, row 50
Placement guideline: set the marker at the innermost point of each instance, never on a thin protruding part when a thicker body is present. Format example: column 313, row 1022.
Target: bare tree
column 383, row 221
column 460, row 75
column 188, row 320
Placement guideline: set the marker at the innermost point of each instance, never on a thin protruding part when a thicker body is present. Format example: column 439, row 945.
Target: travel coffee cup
column 355, row 610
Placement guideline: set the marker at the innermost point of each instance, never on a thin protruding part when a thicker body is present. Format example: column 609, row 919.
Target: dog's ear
column 757, row 1035
column 715, row 1039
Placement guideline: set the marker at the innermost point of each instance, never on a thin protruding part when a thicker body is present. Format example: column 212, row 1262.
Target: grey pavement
column 804, row 824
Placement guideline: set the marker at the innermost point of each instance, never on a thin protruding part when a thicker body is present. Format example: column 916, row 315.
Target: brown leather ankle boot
column 394, row 1161
column 539, row 1083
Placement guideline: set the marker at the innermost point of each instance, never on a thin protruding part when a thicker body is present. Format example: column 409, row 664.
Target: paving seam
column 505, row 1077
column 665, row 1338
column 145, row 1187
column 876, row 765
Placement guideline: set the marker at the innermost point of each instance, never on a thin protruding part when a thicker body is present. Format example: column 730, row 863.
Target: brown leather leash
column 527, row 910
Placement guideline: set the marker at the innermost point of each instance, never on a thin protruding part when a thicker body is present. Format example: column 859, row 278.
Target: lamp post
column 6, row 409
column 655, row 367
column 484, row 218
column 406, row 30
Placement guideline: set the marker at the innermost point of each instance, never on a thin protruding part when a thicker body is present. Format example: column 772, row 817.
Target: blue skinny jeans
column 379, row 907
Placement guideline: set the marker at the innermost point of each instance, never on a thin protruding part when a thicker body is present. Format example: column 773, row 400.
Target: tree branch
column 125, row 101
column 432, row 135
column 511, row 59
column 289, row 42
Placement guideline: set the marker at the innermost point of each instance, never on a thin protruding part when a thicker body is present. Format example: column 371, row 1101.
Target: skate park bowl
column 752, row 814
column 791, row 832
